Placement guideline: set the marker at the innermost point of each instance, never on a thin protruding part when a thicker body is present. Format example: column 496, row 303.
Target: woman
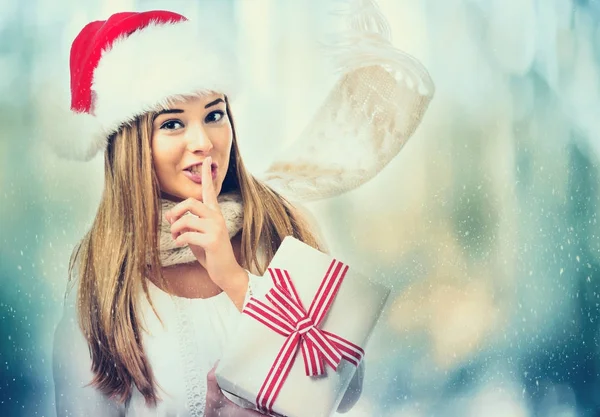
column 182, row 234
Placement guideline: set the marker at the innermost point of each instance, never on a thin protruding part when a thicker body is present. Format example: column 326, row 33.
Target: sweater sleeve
column 72, row 371
column 257, row 286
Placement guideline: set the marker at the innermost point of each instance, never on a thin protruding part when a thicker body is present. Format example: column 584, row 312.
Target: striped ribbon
column 287, row 316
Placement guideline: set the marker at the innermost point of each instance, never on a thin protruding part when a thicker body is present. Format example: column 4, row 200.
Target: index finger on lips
column 209, row 196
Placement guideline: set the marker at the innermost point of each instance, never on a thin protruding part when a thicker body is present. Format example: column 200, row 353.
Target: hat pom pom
column 70, row 135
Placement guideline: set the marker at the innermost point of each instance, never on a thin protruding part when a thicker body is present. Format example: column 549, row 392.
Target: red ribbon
column 287, row 316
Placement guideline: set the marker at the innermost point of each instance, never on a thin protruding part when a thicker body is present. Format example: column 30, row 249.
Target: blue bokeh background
column 485, row 224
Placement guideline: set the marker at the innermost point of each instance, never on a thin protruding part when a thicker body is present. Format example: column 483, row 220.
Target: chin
column 193, row 194
column 181, row 194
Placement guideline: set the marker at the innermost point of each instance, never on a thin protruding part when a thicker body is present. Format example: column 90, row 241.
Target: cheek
column 166, row 153
column 225, row 140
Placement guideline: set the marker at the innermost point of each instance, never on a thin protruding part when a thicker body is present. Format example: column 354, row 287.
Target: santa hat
column 133, row 63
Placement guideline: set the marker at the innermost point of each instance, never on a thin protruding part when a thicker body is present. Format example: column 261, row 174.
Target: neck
column 188, row 281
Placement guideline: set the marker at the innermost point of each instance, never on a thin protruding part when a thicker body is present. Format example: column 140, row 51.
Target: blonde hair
column 112, row 256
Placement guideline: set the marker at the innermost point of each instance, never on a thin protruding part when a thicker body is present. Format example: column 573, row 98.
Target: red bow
column 289, row 318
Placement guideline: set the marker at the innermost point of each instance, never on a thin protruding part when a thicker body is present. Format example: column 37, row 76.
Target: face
column 182, row 137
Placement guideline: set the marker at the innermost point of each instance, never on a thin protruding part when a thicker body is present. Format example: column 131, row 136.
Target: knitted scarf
column 170, row 254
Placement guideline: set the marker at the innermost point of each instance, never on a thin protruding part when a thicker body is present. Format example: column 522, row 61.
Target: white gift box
column 255, row 353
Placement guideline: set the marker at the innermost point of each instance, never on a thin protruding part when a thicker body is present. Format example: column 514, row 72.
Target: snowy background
column 485, row 224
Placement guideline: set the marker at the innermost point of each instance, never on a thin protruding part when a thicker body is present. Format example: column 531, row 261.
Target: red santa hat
column 133, row 63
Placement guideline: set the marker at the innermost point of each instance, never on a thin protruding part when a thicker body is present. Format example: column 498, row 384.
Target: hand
column 217, row 405
column 206, row 234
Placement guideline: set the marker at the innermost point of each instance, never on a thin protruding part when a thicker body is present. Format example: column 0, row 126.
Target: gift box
column 299, row 343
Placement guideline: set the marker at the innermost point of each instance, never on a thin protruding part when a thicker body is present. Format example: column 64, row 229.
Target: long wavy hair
column 111, row 258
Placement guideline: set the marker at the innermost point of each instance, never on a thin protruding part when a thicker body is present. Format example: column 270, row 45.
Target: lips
column 197, row 177
column 213, row 166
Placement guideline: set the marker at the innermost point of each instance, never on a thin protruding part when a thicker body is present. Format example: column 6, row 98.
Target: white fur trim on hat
column 145, row 70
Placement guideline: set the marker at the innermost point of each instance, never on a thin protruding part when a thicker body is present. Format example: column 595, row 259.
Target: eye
column 214, row 116
column 171, row 125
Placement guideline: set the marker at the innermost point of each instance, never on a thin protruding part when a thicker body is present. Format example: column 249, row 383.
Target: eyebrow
column 177, row 111
column 212, row 103
column 167, row 111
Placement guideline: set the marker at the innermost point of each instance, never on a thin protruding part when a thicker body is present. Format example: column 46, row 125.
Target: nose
column 198, row 139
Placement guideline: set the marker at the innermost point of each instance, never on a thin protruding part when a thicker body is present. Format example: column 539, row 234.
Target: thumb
column 214, row 395
column 211, row 377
